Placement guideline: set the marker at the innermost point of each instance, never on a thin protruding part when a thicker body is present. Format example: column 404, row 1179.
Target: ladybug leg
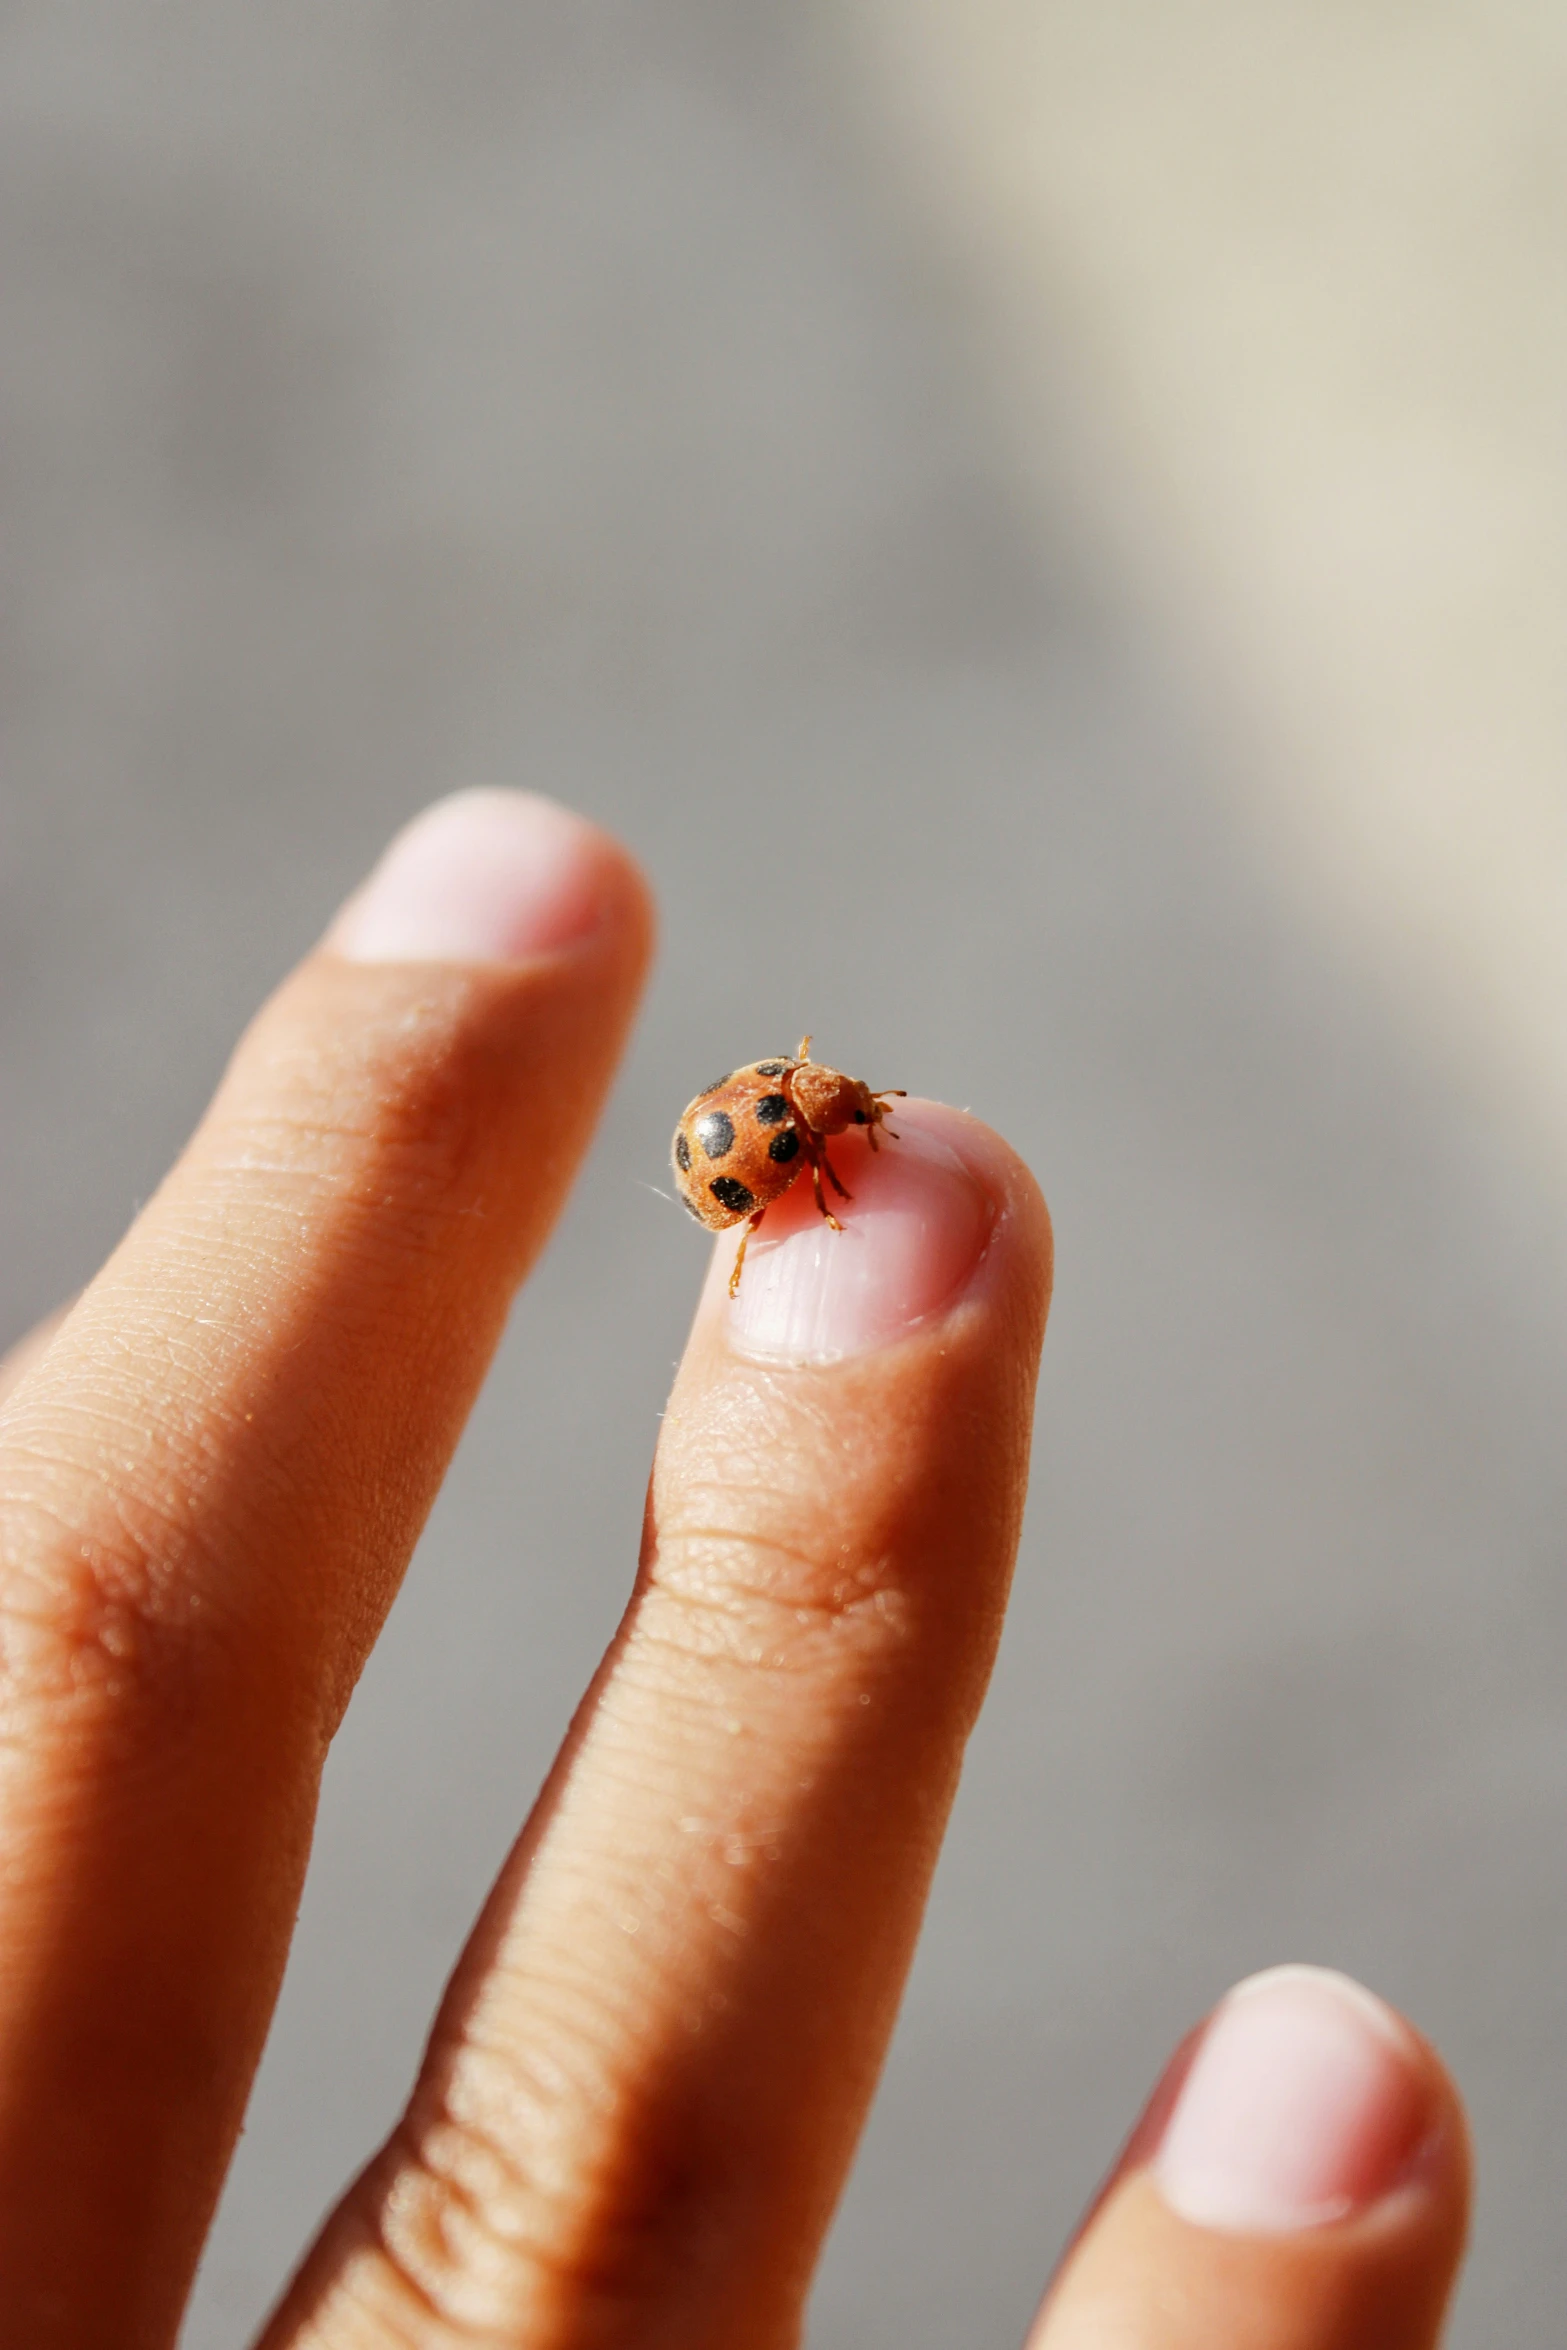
column 818, row 1158
column 832, row 1174
column 734, row 1277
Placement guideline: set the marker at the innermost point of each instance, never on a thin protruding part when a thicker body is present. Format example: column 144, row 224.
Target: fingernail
column 482, row 877
column 912, row 1234
column 1305, row 2102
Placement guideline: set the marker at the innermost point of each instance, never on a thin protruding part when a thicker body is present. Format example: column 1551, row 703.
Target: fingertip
column 1300, row 2175
column 493, row 876
column 941, row 1212
column 1024, row 1212
column 1307, row 2100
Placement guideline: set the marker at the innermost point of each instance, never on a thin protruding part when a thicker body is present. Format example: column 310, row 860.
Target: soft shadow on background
column 1039, row 527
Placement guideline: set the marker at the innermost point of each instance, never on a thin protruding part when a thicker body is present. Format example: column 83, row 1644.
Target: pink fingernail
column 912, row 1234
column 483, row 877
column 1305, row 2102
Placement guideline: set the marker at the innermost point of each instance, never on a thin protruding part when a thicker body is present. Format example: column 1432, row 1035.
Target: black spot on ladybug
column 730, row 1194
column 772, row 1109
column 859, row 1117
column 682, row 1154
column 770, row 1068
column 717, row 1085
column 690, row 1209
column 716, row 1133
column 784, row 1146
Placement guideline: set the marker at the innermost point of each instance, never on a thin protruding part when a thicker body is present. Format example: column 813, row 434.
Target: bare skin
column 213, row 1469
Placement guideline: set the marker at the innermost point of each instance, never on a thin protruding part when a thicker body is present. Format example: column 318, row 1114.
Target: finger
column 647, row 2079
column 209, row 1485
column 1300, row 2182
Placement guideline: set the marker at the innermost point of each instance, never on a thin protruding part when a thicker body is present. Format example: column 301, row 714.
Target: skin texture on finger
column 649, row 2073
column 1299, row 2182
column 210, row 1482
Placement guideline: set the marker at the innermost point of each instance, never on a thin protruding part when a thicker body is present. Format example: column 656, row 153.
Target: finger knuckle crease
column 96, row 1623
column 488, row 2242
column 416, row 1128
column 722, row 1574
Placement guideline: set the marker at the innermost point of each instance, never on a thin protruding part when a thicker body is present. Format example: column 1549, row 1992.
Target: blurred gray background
column 397, row 397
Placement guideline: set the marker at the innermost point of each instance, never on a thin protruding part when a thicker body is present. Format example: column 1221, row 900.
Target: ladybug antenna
column 804, row 1052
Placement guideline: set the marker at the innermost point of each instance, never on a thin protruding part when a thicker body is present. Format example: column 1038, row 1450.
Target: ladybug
column 742, row 1142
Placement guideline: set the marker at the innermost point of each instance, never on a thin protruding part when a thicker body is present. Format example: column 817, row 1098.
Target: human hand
column 650, row 2069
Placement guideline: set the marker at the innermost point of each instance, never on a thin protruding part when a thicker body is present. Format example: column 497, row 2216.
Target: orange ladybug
column 742, row 1142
